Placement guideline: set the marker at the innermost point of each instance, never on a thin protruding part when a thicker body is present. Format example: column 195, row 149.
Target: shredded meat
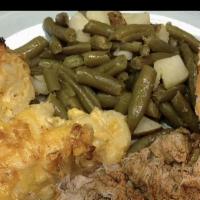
column 169, row 169
column 102, row 185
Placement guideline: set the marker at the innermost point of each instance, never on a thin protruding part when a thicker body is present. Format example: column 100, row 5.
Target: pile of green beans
column 86, row 75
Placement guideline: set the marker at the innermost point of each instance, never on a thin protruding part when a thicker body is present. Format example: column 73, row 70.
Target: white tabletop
column 14, row 21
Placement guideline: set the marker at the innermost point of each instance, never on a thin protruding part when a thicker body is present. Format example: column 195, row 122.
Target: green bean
column 116, row 18
column 146, row 141
column 62, row 19
column 141, row 143
column 65, row 70
column 51, row 78
column 141, row 95
column 183, row 36
column 192, row 68
column 99, row 42
column 92, row 95
column 94, row 58
column 127, row 46
column 152, row 110
column 114, row 66
column 68, row 100
column 47, row 53
column 33, row 62
column 131, row 81
column 36, row 70
column 170, row 114
column 103, row 82
column 33, row 47
column 79, row 48
column 144, row 50
column 86, row 102
column 158, row 45
column 55, row 45
column 49, row 63
column 163, row 95
column 132, row 32
column 123, row 103
column 107, row 101
column 123, row 76
column 73, row 61
column 185, row 111
column 67, row 88
column 98, row 28
column 139, row 61
column 64, row 34
column 59, row 107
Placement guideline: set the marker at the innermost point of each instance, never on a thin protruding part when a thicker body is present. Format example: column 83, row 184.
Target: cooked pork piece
column 169, row 169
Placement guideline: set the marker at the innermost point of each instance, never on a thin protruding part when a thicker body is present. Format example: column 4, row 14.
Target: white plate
column 26, row 35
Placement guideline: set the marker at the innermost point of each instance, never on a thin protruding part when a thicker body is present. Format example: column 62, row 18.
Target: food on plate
column 37, row 148
column 165, row 169
column 16, row 88
column 105, row 107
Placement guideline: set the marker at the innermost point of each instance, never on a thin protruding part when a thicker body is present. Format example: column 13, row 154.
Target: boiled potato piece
column 146, row 126
column 171, row 70
column 100, row 16
column 39, row 84
column 162, row 33
column 77, row 22
column 137, row 18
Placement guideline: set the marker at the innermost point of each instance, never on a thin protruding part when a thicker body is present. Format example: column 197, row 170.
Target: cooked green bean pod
column 73, row 61
column 36, row 70
column 99, row 42
column 158, row 45
column 144, row 50
column 47, row 53
column 127, row 46
column 54, row 45
column 103, row 82
column 139, row 61
column 123, row 103
column 79, row 48
column 92, row 95
column 192, row 68
column 51, row 78
column 132, row 32
column 123, row 76
column 182, row 35
column 162, row 95
column 152, row 110
column 185, row 111
column 141, row 96
column 33, row 62
column 33, row 47
column 85, row 100
column 50, row 62
column 107, row 101
column 59, row 107
column 64, row 34
column 114, row 66
column 170, row 114
column 62, row 19
column 94, row 58
column 98, row 28
column 146, row 141
column 68, row 100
